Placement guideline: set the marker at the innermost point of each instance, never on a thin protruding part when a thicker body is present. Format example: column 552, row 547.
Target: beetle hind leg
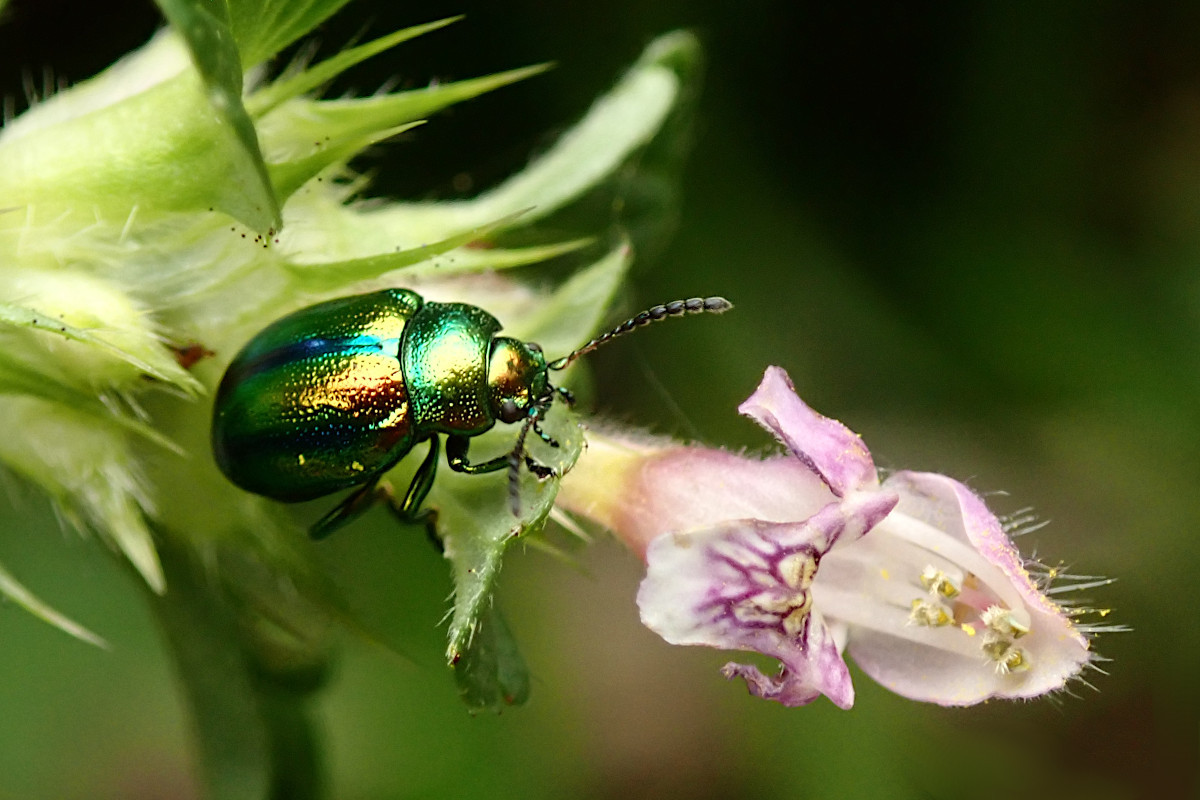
column 349, row 509
column 373, row 491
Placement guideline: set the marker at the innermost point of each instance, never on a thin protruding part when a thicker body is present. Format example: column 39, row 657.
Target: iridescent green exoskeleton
column 334, row 395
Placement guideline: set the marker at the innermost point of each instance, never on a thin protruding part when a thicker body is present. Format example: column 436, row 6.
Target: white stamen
column 930, row 538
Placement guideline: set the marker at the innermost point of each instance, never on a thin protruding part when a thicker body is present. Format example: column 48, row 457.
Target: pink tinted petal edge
column 824, row 445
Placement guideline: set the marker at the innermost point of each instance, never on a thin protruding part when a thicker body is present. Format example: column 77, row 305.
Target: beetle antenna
column 694, row 305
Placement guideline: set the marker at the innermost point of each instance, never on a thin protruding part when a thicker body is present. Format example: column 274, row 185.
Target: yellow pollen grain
column 927, row 614
column 356, row 466
column 300, row 459
column 938, row 582
column 969, row 630
column 883, row 573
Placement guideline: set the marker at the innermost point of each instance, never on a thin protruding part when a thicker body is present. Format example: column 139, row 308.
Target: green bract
column 165, row 211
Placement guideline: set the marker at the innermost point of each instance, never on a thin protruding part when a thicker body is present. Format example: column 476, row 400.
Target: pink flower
column 806, row 556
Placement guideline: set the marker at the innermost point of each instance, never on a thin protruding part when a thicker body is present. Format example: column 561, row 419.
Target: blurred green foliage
column 969, row 232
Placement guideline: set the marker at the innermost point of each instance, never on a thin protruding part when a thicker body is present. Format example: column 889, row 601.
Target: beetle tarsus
column 566, row 395
column 545, row 437
column 540, row 470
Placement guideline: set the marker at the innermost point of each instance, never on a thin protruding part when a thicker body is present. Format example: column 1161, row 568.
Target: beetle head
column 521, row 390
column 516, row 378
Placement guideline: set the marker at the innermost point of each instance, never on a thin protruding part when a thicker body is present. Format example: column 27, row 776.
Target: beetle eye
column 510, row 412
column 534, row 346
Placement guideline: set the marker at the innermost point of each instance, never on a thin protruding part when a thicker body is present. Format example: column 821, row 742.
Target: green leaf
column 264, row 27
column 87, row 469
column 19, row 379
column 477, row 525
column 618, row 126
column 327, row 276
column 289, row 176
column 13, row 590
column 485, row 259
column 649, row 194
column 578, row 307
column 207, row 29
column 304, row 119
column 183, row 158
column 312, row 78
column 492, row 675
column 303, row 130
column 158, row 365
column 474, row 517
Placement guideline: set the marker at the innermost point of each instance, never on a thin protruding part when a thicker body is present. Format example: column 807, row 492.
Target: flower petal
column 690, row 488
column 1055, row 650
column 826, row 446
column 745, row 585
column 815, row 668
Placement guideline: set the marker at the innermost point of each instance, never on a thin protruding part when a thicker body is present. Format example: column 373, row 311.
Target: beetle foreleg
column 545, row 437
column 540, row 470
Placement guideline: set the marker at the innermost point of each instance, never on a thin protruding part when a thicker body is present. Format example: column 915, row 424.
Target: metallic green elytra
column 334, row 395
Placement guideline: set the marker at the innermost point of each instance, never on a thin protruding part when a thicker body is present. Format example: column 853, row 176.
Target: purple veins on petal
column 746, row 585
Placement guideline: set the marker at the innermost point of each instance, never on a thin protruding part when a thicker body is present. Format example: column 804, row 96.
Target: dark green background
column 971, row 233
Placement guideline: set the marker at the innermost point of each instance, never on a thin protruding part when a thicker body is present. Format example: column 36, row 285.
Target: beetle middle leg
column 409, row 511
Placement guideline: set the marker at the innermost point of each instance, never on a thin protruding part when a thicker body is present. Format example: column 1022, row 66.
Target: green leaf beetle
column 334, row 395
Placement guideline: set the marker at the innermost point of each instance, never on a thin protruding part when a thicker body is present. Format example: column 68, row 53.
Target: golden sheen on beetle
column 334, row 395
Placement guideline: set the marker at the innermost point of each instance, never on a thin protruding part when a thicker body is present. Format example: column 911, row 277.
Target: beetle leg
column 422, row 482
column 540, row 470
column 373, row 492
column 409, row 511
column 545, row 437
column 456, row 457
column 353, row 506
